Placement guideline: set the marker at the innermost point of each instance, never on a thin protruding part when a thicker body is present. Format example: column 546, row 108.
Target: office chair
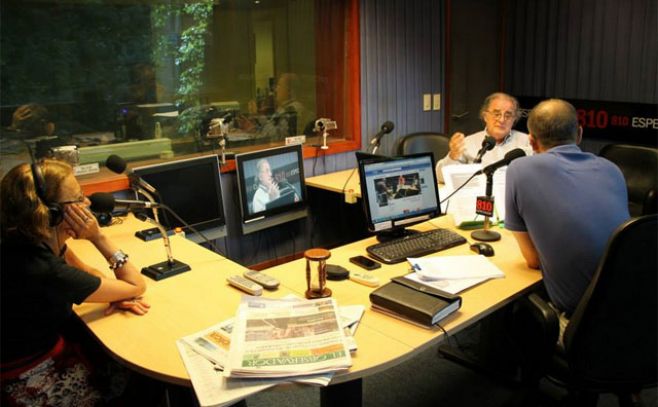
column 640, row 168
column 424, row 142
column 610, row 342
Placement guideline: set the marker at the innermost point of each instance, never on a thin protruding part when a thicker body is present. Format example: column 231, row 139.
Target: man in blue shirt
column 563, row 204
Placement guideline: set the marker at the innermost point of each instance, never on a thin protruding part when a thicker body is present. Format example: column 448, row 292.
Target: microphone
column 509, row 157
column 487, row 144
column 104, row 202
column 118, row 165
column 386, row 128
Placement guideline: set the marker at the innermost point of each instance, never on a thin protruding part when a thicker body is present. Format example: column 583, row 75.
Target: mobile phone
column 366, row 263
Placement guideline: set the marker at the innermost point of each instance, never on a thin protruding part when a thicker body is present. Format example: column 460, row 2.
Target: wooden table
column 199, row 298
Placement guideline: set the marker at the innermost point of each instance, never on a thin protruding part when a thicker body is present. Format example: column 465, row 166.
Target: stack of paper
column 280, row 338
column 453, row 274
column 206, row 355
column 462, row 205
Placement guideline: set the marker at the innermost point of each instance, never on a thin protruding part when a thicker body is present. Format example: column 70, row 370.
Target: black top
column 38, row 290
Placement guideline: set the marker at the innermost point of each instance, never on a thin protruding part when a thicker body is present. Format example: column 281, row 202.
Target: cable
column 348, row 179
column 458, row 188
column 456, row 343
column 193, row 229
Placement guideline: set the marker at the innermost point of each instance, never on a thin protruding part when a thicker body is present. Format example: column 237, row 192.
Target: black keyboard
column 416, row 245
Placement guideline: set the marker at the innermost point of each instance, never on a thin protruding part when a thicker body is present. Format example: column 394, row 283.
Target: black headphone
column 55, row 211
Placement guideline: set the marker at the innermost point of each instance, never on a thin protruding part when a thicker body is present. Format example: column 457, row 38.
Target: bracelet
column 117, row 260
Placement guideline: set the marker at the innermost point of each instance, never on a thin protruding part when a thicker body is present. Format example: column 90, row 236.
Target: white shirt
column 473, row 144
column 261, row 199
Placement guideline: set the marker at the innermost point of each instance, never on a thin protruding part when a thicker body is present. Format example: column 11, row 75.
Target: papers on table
column 462, row 205
column 453, row 274
column 275, row 338
column 206, row 355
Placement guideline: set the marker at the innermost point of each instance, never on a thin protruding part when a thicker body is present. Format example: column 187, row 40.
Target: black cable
column 315, row 159
column 456, row 343
column 193, row 229
column 458, row 188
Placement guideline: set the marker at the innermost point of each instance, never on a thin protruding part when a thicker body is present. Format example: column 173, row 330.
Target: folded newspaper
column 283, row 338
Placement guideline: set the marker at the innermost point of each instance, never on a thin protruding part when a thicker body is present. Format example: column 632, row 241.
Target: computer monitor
column 398, row 192
column 271, row 187
column 192, row 189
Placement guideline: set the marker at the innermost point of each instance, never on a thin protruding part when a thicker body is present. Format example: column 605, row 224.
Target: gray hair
column 499, row 95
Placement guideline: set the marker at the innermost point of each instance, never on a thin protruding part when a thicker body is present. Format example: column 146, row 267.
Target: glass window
column 158, row 79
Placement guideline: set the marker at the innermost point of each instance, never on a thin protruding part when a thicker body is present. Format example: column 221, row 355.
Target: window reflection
column 147, row 77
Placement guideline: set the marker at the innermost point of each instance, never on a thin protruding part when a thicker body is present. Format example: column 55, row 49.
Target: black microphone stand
column 167, row 268
column 487, row 235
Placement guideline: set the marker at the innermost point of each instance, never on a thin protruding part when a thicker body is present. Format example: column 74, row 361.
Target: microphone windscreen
column 514, row 154
column 489, row 143
column 101, row 202
column 388, row 126
column 116, row 164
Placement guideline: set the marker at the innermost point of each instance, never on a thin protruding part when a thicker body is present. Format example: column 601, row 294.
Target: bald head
column 554, row 122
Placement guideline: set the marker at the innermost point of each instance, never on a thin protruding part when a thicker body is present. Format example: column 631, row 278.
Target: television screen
column 271, row 182
column 399, row 192
column 191, row 188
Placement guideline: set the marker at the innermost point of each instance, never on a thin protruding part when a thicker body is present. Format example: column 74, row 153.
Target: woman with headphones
column 499, row 112
column 42, row 207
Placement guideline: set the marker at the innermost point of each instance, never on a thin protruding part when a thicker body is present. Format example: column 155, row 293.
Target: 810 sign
column 484, row 205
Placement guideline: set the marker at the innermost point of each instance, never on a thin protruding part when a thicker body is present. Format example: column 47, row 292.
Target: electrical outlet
column 436, row 102
column 427, row 102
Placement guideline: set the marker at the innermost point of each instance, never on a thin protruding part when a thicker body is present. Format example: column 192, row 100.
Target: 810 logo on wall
column 634, row 123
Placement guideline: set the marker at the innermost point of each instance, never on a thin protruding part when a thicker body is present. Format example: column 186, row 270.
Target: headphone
column 55, row 211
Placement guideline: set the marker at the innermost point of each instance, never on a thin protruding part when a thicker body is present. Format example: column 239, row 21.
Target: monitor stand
column 392, row 234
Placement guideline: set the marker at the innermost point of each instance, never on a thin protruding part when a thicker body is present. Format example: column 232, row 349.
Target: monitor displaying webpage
column 400, row 189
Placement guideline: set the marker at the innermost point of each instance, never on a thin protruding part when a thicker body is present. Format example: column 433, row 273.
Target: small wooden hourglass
column 316, row 280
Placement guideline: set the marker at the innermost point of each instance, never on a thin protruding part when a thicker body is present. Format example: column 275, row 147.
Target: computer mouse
column 484, row 249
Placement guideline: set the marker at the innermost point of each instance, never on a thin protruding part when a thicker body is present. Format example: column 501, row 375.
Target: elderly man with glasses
column 499, row 112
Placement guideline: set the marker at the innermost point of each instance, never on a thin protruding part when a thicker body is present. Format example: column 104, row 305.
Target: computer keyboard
column 419, row 244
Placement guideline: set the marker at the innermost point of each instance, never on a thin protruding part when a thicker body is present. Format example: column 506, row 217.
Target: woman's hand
column 137, row 306
column 80, row 223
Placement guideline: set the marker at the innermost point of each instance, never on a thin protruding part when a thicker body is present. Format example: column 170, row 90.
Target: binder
column 414, row 301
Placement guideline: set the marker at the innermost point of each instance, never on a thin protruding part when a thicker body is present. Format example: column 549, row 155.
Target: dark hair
column 554, row 122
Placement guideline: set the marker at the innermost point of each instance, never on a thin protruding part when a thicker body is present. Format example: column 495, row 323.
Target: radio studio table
column 199, row 298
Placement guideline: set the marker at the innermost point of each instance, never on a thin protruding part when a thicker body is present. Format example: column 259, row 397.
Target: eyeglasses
column 78, row 200
column 507, row 116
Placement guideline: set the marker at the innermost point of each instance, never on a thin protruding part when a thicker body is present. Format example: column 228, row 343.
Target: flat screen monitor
column 271, row 187
column 192, row 189
column 398, row 192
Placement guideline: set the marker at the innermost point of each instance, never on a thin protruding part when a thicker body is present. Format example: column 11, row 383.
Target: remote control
column 266, row 281
column 245, row 285
column 365, row 279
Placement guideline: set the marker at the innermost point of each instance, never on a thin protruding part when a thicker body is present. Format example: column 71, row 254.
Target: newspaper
column 462, row 205
column 283, row 338
column 213, row 389
column 214, row 342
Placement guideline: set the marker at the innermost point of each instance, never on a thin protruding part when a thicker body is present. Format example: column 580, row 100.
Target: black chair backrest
column 640, row 168
column 424, row 142
column 611, row 339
